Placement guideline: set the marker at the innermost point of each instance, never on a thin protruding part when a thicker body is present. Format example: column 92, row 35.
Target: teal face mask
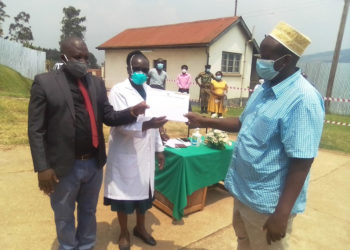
column 160, row 65
column 138, row 77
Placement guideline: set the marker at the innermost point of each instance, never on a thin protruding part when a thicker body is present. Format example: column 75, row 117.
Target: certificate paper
column 171, row 104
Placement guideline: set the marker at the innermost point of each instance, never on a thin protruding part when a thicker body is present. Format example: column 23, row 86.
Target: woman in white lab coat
column 129, row 176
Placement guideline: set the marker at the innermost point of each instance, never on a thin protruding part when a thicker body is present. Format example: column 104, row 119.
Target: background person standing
column 157, row 76
column 157, row 79
column 183, row 80
column 204, row 85
column 218, row 89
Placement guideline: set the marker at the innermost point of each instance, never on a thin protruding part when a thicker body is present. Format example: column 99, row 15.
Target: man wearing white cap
column 279, row 134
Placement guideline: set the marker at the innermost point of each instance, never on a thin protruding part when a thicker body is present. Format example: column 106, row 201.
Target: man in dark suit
column 67, row 110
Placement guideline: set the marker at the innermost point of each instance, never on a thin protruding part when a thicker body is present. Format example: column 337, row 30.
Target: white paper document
column 171, row 104
column 175, row 142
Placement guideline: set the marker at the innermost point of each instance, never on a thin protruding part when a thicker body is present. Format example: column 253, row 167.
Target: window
column 230, row 62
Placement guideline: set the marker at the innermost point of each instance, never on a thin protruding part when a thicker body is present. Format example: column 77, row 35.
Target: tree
column 93, row 61
column 72, row 27
column 20, row 31
column 71, row 23
column 3, row 15
column 52, row 56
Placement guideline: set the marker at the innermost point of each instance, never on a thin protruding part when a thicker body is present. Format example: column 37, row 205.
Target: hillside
column 13, row 84
column 327, row 57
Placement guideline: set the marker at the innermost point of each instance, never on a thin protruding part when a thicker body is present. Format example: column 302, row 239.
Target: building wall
column 115, row 66
column 234, row 41
column 194, row 58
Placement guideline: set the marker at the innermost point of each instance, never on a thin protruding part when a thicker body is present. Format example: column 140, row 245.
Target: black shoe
column 150, row 240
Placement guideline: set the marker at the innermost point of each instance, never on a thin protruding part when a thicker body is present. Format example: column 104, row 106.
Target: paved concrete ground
column 27, row 222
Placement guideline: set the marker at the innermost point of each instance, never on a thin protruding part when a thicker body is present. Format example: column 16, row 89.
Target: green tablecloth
column 189, row 169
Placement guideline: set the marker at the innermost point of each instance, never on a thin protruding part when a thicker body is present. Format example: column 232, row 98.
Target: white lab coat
column 131, row 157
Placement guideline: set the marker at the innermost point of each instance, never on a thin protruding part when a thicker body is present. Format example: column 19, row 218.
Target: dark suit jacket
column 51, row 121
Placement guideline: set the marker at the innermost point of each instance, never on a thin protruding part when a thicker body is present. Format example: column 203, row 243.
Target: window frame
column 225, row 62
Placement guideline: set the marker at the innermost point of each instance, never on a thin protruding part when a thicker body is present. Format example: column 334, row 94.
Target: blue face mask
column 139, row 77
column 160, row 65
column 265, row 68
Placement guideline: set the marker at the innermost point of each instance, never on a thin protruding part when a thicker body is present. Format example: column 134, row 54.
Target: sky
column 318, row 19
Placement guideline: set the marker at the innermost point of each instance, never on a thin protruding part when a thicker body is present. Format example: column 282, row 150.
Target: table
column 189, row 169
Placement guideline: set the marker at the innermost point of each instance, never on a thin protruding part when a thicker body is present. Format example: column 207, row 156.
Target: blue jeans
column 82, row 185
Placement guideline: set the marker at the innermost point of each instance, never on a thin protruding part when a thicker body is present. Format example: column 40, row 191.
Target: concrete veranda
column 27, row 221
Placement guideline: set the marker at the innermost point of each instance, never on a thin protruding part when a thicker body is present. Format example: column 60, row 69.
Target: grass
column 13, row 121
column 13, row 84
column 336, row 137
column 14, row 93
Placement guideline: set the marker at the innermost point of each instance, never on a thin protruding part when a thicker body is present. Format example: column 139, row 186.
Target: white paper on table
column 171, row 143
column 171, row 104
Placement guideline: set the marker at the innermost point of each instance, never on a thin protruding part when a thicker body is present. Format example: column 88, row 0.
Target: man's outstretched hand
column 155, row 122
column 194, row 120
column 139, row 108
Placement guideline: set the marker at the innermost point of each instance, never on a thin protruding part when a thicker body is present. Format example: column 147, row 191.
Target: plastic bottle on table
column 196, row 138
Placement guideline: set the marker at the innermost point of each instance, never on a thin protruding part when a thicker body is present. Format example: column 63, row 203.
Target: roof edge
column 199, row 45
column 172, row 24
column 245, row 28
column 101, row 47
column 239, row 20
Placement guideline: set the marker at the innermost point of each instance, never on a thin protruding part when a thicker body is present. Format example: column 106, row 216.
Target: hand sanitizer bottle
column 196, row 138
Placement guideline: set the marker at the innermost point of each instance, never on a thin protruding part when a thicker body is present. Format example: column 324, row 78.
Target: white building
column 224, row 43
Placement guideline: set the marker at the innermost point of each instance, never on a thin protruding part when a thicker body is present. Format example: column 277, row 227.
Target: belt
column 85, row 156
